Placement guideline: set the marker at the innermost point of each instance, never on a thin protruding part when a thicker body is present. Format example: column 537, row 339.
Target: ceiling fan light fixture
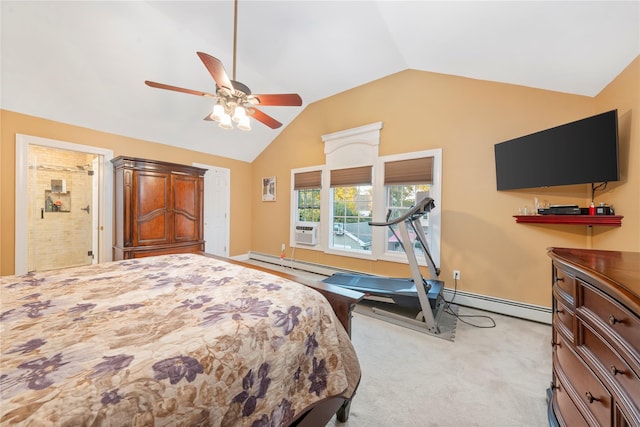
column 244, row 123
column 225, row 122
column 218, row 112
column 234, row 100
column 239, row 113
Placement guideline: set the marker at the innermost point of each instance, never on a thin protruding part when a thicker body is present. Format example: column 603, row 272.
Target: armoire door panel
column 152, row 213
column 185, row 194
column 186, row 208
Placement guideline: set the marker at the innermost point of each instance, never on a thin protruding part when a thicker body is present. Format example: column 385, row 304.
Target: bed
column 172, row 340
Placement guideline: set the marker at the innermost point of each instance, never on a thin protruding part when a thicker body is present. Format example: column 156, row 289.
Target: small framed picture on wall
column 269, row 189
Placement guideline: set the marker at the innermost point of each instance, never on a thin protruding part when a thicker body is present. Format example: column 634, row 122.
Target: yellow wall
column 623, row 93
column 464, row 117
column 13, row 123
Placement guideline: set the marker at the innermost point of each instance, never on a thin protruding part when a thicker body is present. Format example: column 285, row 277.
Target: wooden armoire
column 158, row 208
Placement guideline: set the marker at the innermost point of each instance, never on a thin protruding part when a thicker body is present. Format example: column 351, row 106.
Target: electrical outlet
column 283, row 248
column 456, row 274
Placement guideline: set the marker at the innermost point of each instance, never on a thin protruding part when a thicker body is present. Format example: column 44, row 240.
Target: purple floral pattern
column 39, row 371
column 190, row 339
column 177, row 368
column 287, row 321
column 111, row 364
column 29, row 346
column 237, row 310
column 254, row 387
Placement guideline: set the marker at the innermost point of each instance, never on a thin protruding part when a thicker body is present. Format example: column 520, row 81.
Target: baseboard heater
column 468, row 299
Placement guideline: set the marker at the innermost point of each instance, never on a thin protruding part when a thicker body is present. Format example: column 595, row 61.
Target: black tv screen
column 580, row 152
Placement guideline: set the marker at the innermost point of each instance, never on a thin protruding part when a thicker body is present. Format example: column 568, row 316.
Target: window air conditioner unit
column 307, row 234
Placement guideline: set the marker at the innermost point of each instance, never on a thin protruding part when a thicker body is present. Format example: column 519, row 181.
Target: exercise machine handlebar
column 419, row 209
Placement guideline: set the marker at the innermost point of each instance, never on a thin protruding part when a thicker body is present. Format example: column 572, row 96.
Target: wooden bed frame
column 343, row 302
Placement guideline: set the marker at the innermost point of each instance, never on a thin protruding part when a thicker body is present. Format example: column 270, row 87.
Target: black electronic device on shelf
column 563, row 210
column 601, row 209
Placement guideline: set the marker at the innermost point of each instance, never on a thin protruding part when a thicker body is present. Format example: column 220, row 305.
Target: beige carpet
column 487, row 377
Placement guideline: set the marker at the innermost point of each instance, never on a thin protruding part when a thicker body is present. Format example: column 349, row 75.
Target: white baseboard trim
column 507, row 307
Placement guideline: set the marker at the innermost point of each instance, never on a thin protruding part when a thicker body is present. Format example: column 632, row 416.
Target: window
column 352, row 209
column 409, row 178
column 307, row 187
column 356, row 186
column 399, row 199
column 309, row 205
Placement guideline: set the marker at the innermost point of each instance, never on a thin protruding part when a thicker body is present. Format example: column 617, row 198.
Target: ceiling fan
column 235, row 102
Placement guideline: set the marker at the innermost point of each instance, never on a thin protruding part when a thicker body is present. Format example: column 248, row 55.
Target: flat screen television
column 580, row 152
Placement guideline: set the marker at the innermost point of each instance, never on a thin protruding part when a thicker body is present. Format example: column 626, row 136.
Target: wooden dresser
column 158, row 208
column 596, row 338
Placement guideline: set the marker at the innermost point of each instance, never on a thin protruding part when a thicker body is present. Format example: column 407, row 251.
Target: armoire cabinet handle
column 613, row 320
column 591, row 398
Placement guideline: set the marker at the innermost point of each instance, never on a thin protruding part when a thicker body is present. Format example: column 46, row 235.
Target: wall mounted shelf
column 609, row 220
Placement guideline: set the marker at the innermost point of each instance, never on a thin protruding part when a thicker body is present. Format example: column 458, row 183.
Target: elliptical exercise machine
column 404, row 291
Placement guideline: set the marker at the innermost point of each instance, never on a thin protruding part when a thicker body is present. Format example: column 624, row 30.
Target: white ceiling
column 85, row 62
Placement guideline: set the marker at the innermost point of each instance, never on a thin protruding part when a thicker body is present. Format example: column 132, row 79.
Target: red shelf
column 610, row 220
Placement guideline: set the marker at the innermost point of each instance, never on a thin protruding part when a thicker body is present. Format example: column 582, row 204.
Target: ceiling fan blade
column 216, row 69
column 283, row 99
column 264, row 118
column 178, row 89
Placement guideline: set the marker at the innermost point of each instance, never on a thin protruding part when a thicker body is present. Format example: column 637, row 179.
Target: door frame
column 105, row 196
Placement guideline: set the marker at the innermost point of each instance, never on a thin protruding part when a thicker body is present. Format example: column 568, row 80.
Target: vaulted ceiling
column 85, row 62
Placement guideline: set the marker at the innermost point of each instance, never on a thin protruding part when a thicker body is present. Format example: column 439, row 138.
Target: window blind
column 306, row 180
column 351, row 176
column 411, row 171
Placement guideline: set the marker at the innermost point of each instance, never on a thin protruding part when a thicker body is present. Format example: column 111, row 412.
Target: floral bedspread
column 175, row 340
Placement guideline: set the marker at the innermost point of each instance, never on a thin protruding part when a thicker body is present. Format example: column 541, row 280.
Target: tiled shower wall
column 59, row 238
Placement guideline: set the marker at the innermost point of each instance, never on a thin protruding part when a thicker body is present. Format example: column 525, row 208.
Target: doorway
column 61, row 208
column 62, row 217
column 216, row 209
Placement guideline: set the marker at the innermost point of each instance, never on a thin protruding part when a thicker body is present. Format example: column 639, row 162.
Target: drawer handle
column 615, row 371
column 559, row 310
column 554, row 344
column 559, row 279
column 613, row 320
column 591, row 398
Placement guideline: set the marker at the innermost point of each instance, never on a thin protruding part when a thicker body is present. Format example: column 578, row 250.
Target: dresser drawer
column 614, row 318
column 563, row 319
column 564, row 287
column 566, row 411
column 593, row 396
column 602, row 353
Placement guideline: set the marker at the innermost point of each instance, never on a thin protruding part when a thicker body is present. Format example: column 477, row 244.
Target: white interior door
column 217, row 196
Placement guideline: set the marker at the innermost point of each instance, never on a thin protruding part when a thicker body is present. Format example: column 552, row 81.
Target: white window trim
column 293, row 222
column 353, row 253
column 349, row 148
